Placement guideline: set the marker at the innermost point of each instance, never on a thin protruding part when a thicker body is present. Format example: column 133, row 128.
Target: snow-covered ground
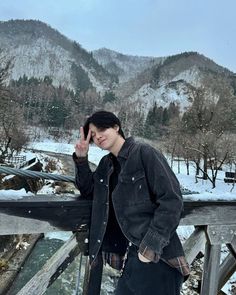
column 203, row 188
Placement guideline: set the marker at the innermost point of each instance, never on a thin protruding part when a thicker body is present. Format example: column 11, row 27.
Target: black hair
column 103, row 120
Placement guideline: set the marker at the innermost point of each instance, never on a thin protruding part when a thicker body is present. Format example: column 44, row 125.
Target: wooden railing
column 17, row 161
column 214, row 221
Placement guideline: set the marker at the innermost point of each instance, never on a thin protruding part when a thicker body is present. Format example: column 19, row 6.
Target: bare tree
column 201, row 136
column 12, row 133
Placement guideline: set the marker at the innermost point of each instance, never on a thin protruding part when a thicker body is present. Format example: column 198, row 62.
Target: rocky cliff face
column 124, row 66
column 37, row 50
column 176, row 79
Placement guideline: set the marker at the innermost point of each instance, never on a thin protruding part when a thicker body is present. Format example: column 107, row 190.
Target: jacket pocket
column 135, row 187
column 132, row 178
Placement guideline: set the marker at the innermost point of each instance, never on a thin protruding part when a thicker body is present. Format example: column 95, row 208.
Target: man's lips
column 101, row 142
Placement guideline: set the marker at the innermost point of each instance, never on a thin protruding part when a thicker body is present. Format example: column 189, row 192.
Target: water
column 67, row 282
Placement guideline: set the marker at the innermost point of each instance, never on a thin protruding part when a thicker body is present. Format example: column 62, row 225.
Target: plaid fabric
column 179, row 263
column 117, row 261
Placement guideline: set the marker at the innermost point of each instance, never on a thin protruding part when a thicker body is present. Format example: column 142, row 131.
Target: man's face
column 105, row 138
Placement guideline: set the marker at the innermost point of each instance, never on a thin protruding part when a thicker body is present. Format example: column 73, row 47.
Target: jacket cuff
column 79, row 159
column 153, row 241
column 149, row 253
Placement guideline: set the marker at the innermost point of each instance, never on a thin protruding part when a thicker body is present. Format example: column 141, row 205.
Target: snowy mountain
column 37, row 50
column 124, row 66
column 176, row 79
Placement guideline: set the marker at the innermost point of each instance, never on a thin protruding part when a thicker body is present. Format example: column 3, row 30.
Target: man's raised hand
column 82, row 145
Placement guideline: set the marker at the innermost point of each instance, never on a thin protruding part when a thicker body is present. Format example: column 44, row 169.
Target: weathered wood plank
column 232, row 246
column 11, row 225
column 227, row 268
column 211, row 270
column 208, row 212
column 69, row 214
column 40, row 281
column 41, row 214
column 221, row 233
column 195, row 244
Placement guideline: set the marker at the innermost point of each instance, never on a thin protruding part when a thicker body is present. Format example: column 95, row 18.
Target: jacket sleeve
column 83, row 176
column 165, row 192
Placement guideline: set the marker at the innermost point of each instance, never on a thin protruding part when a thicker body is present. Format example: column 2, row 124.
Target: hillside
column 176, row 80
column 124, row 66
column 37, row 50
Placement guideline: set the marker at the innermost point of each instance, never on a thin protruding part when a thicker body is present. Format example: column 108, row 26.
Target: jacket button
column 101, row 180
column 93, row 256
column 99, row 241
column 132, row 178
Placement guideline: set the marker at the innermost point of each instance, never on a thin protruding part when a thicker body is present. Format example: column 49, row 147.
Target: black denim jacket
column 147, row 200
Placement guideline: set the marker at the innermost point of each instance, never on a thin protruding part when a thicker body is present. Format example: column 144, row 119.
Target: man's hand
column 82, row 145
column 142, row 258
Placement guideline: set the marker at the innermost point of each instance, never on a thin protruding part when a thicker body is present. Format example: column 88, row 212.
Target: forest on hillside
column 205, row 133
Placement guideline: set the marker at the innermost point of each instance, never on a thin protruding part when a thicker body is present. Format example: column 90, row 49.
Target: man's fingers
column 88, row 136
column 81, row 133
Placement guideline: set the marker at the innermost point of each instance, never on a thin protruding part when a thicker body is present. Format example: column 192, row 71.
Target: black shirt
column 114, row 240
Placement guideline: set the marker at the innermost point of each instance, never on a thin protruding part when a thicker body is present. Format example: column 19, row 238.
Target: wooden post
column 211, row 269
column 227, row 268
column 210, row 278
column 194, row 244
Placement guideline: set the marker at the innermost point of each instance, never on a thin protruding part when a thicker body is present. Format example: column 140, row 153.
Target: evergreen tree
column 109, row 96
column 165, row 117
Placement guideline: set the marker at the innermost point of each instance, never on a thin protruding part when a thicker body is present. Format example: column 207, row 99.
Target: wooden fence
column 16, row 160
column 214, row 221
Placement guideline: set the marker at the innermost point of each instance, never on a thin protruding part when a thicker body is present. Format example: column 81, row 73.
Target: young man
column 137, row 206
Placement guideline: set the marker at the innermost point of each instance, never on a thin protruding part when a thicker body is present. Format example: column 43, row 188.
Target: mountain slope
column 176, row 80
column 38, row 50
column 125, row 66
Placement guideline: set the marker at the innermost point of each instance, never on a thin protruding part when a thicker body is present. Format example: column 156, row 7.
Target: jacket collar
column 126, row 147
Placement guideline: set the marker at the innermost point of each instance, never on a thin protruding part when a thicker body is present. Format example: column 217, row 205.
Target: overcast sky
column 139, row 27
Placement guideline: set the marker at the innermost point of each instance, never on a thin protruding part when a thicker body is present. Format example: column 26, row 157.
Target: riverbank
column 15, row 259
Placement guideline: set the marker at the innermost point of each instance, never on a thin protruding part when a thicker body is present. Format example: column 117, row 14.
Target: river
column 67, row 282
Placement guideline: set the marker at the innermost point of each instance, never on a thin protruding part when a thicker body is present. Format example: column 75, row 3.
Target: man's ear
column 117, row 128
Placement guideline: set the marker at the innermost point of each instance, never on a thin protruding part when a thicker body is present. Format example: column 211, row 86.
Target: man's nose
column 98, row 135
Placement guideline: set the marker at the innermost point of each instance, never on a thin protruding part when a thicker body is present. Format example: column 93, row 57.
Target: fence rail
column 214, row 223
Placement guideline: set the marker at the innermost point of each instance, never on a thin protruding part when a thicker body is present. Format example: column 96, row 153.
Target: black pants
column 140, row 278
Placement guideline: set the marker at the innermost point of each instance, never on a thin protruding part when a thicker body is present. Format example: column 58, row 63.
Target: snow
column 203, row 188
column 191, row 76
column 14, row 194
column 40, row 54
column 61, row 235
column 130, row 66
column 163, row 96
